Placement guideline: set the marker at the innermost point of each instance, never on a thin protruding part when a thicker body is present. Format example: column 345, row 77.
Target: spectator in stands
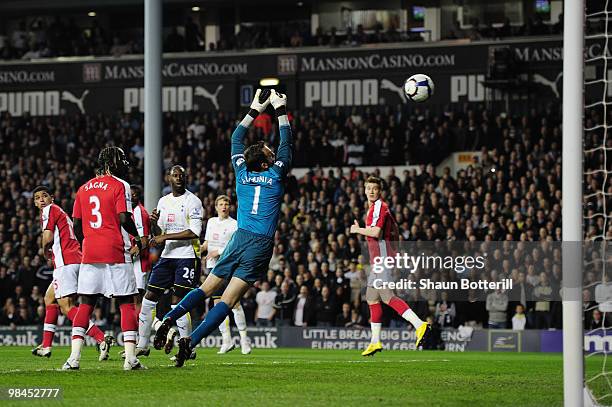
column 304, row 308
column 443, row 316
column 175, row 42
column 326, row 308
column 118, row 49
column 543, row 294
column 519, row 320
column 249, row 305
column 597, row 320
column 506, row 29
column 344, row 318
column 265, row 305
column 9, row 315
column 194, row 40
column 497, row 305
column 284, row 304
column 19, row 38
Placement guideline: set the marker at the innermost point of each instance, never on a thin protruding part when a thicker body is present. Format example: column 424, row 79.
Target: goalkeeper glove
column 261, row 100
column 279, row 102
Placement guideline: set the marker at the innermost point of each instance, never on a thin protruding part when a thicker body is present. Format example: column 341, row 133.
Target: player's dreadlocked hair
column 254, row 156
column 112, row 159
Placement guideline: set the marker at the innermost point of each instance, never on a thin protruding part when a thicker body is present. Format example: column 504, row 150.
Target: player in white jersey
column 177, row 224
column 219, row 231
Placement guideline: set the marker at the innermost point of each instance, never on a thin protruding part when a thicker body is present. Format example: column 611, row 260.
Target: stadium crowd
column 318, row 270
column 42, row 37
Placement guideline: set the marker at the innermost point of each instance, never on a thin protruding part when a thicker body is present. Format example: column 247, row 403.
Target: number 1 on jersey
column 256, row 200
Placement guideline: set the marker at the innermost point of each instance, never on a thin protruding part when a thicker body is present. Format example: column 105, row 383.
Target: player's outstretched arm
column 259, row 104
column 284, row 155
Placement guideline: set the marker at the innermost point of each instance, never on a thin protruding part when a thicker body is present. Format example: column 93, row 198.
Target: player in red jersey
column 103, row 222
column 60, row 246
column 381, row 233
column 142, row 265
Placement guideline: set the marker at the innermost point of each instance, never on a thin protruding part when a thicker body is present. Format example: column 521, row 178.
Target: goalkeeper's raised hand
column 279, row 102
column 261, row 100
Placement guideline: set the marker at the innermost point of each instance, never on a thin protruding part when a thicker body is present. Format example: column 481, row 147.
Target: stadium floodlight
column 269, row 82
column 91, row 14
column 195, row 8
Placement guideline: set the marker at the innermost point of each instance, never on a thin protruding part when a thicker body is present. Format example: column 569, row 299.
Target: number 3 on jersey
column 256, row 200
column 95, row 212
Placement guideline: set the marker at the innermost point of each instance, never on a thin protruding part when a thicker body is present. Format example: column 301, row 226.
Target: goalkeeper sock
column 212, row 321
column 190, row 301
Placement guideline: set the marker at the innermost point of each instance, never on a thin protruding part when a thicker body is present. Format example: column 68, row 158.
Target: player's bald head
column 176, row 179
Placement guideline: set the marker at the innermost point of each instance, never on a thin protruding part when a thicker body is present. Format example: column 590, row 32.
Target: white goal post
column 573, row 107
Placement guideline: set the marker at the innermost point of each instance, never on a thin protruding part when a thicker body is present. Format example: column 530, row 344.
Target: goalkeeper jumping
column 259, row 186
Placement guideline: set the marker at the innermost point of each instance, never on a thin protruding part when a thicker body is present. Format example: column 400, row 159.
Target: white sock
column 156, row 323
column 130, row 350
column 240, row 320
column 77, row 345
column 225, row 330
column 411, row 317
column 184, row 325
column 145, row 320
column 129, row 344
column 375, row 327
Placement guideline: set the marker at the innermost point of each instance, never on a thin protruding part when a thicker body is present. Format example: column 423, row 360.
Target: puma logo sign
column 537, row 78
column 69, row 97
column 200, row 91
column 388, row 85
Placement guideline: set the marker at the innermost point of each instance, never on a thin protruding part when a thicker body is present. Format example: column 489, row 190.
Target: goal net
column 597, row 188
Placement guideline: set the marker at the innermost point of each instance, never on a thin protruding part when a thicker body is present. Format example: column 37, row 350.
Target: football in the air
column 419, row 87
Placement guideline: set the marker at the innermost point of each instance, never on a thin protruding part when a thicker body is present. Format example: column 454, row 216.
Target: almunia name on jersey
column 96, row 185
column 257, row 179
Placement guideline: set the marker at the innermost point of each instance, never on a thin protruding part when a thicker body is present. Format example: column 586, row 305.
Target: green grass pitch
column 296, row 377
